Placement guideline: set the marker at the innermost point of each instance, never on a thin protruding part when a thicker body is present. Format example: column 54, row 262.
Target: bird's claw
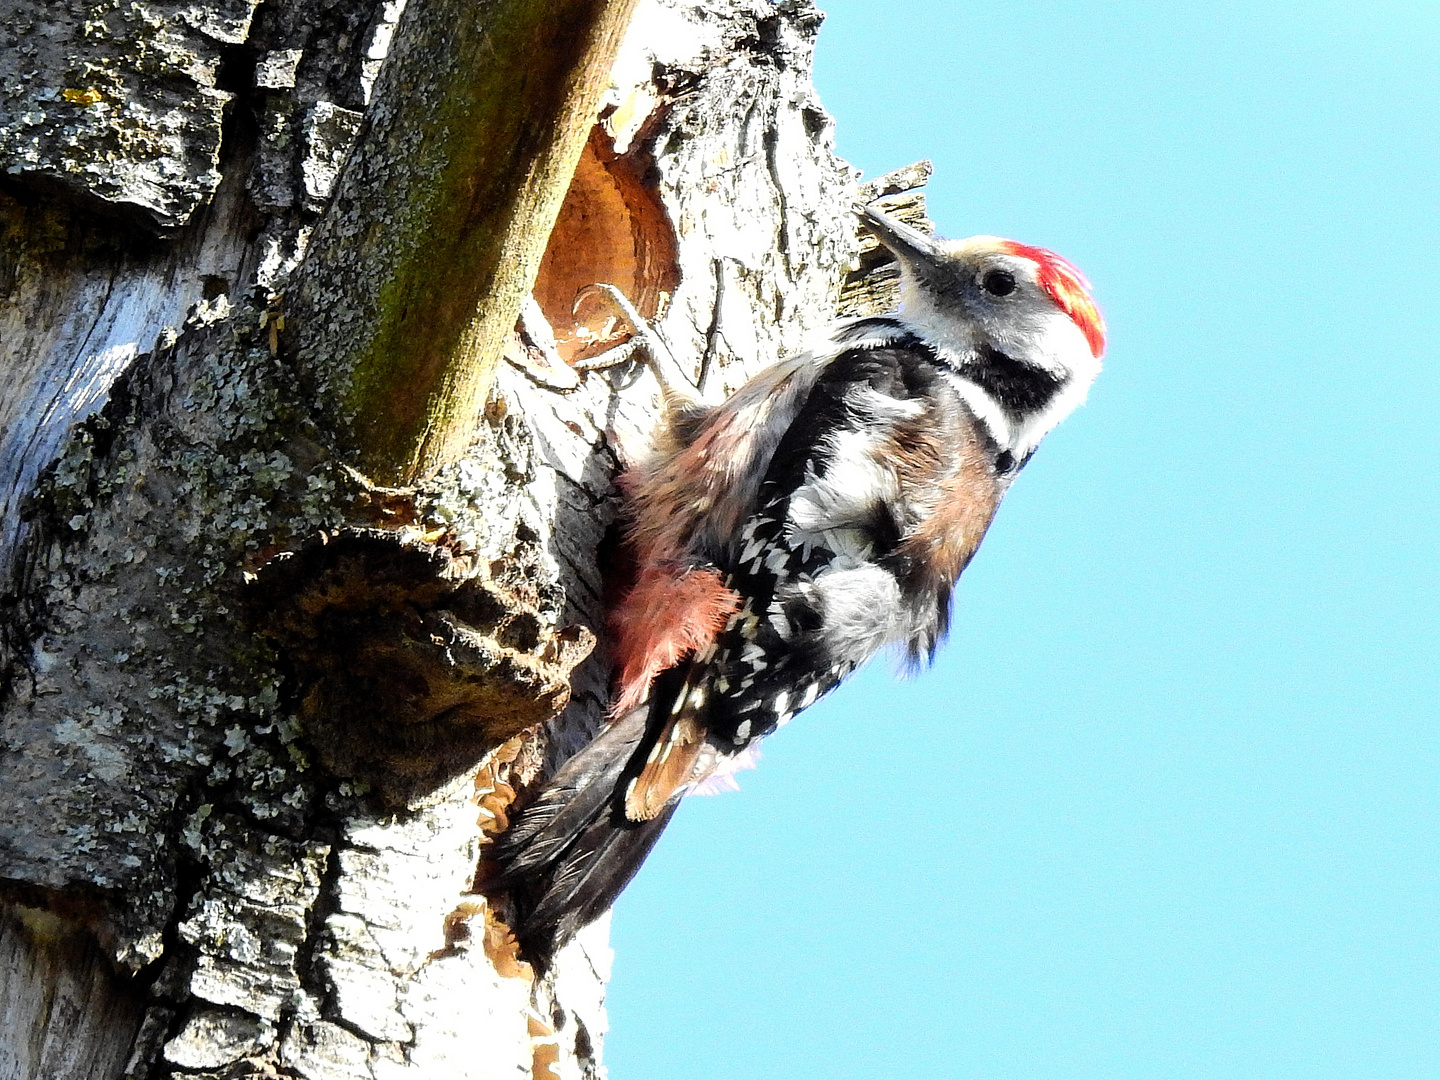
column 672, row 378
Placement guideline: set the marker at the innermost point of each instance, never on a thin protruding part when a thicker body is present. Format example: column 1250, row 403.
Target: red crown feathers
column 1068, row 288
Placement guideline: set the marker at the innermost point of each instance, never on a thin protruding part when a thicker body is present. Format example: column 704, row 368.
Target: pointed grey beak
column 905, row 243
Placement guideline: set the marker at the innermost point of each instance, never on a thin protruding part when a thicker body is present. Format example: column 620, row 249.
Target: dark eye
column 998, row 282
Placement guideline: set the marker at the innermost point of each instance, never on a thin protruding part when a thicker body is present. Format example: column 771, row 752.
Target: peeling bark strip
column 873, row 286
column 196, row 848
column 417, row 272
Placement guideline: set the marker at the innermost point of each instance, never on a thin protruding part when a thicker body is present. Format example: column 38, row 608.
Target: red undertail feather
column 1068, row 288
column 669, row 614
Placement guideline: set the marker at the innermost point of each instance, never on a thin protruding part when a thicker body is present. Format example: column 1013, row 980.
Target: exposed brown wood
column 611, row 229
column 418, row 271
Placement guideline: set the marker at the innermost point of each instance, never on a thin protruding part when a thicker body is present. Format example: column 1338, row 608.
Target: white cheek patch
column 1067, row 351
column 1053, row 343
column 943, row 327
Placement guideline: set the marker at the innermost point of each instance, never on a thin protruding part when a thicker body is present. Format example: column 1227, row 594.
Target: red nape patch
column 1068, row 288
column 669, row 614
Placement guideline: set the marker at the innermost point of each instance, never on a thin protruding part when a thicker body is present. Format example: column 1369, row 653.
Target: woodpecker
column 783, row 538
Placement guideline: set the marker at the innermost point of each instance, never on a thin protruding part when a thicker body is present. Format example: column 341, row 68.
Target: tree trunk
column 300, row 585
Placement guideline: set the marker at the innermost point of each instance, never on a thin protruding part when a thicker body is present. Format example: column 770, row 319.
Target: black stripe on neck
column 1018, row 388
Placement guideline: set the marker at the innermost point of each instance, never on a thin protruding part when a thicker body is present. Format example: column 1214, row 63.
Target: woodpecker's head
column 1017, row 321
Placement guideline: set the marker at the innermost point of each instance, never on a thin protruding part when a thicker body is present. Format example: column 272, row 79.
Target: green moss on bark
column 442, row 216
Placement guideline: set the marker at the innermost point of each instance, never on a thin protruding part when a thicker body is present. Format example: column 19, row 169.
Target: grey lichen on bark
column 248, row 863
column 87, row 286
column 121, row 101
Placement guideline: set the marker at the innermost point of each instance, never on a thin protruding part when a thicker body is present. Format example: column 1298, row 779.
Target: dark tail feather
column 593, row 874
column 570, row 799
column 570, row 853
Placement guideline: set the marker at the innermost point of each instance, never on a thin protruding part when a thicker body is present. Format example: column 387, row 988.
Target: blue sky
column 1167, row 804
